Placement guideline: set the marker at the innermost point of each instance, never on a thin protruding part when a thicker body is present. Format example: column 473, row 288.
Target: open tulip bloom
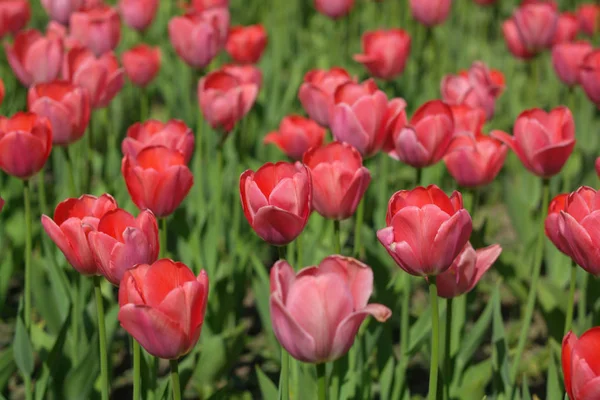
column 581, row 365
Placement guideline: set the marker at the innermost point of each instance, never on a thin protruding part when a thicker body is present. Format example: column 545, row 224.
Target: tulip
column 339, row 179
column 56, row 30
column 162, row 307
column 201, row 5
column 175, row 135
column 296, row 135
column 138, row 14
column 14, row 15
column 567, row 60
column 73, row 220
column 580, row 364
column 35, row 58
column 552, row 222
column 277, row 200
column 245, row 73
column 102, row 77
column 430, row 12
column 1, row 203
column 122, row 241
column 385, row 52
column 589, row 76
column 597, row 165
column 2, row 91
column 316, row 312
column 334, row 8
column 542, row 141
column 141, row 64
column 567, row 28
column 66, row 106
column 157, row 179
column 466, row 270
column 467, row 119
column 224, row 99
column 245, row 44
column 98, row 29
column 426, row 230
column 424, row 141
column 317, row 92
column 588, row 15
column 531, row 28
column 61, row 10
column 514, row 42
column 25, row 144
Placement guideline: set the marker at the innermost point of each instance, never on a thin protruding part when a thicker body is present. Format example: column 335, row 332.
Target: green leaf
column 554, row 390
column 268, row 389
column 22, row 349
column 7, row 366
column 525, row 389
column 80, row 379
column 500, row 363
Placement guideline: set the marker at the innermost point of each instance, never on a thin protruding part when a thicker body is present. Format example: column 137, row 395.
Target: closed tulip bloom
column 245, row 73
column 14, row 15
column 138, row 14
column 513, row 40
column 98, row 29
column 552, row 222
column 61, row 10
column 174, row 134
column 430, row 12
column 424, row 141
column 35, row 58
column 162, row 306
column 25, row 144
column 316, row 313
column 277, row 200
column 542, row 141
column 581, row 365
column 334, row 8
column 567, row 28
column 56, row 30
column 201, row 5
column 426, row 230
column 224, row 99
column 66, row 106
column 589, row 76
column 385, row 52
column 102, row 77
column 317, row 92
column 296, row 135
column 141, row 64
column 245, row 44
column 122, row 241
column 1, row 203
column 467, row 119
column 157, row 179
column 339, row 179
column 73, row 220
column 567, row 60
column 588, row 15
column 531, row 28
column 466, row 270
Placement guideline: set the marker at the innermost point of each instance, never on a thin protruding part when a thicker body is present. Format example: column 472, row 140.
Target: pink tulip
column 334, row 8
column 2, row 91
column 245, row 73
column 531, row 28
column 566, row 29
column 61, row 10
column 467, row 119
column 589, row 76
column 567, row 60
column 56, row 30
column 14, row 15
column 316, row 313
column 296, row 135
column 138, row 14
column 430, row 12
column 141, row 64
column 581, row 365
column 174, row 135
column 245, row 44
column 588, row 15
column 98, row 29
column 552, row 222
column 385, row 52
column 201, row 5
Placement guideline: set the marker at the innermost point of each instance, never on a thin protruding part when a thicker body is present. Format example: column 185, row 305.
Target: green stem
column 418, row 176
column 281, row 252
column 337, row 233
column 69, row 164
column 570, row 304
column 322, row 381
column 41, row 188
column 299, row 258
column 284, row 384
column 163, row 238
column 219, row 192
column 360, row 216
column 102, row 338
column 175, row 380
column 143, row 105
column 88, row 168
column 137, row 356
column 435, row 339
column 27, row 305
column 582, row 303
column 447, row 350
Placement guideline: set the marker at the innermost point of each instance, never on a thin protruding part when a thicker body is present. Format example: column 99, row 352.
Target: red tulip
column 2, row 91
column 296, row 135
column 224, row 99
column 61, row 10
column 334, row 8
column 122, row 241
column 588, row 15
column 567, row 59
column 567, row 28
column 1, row 203
column 277, row 200
column 581, row 365
column 201, row 5
column 385, row 52
column 73, row 220
column 162, row 306
column 339, row 179
column 245, row 73
column 316, row 312
column 157, row 179
column 246, row 44
column 552, row 222
column 430, row 12
column 138, row 14
column 14, row 15
column 175, row 135
column 425, row 139
column 141, row 64
column 56, row 30
column 35, row 58
column 102, row 77
column 25, row 144
column 589, row 76
column 98, row 29
column 542, row 141
column 467, row 119
column 531, row 28
column 426, row 230
column 466, row 270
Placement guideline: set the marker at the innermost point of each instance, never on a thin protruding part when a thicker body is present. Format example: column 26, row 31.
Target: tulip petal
column 291, row 335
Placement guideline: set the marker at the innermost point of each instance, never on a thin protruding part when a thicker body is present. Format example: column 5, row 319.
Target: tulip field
column 302, row 199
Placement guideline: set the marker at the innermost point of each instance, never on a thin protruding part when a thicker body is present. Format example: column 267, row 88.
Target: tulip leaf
column 500, row 362
column 553, row 387
column 268, row 389
column 81, row 377
column 525, row 395
column 7, row 366
column 22, row 348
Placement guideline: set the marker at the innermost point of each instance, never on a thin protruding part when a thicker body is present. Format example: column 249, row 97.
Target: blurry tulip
column 567, row 59
column 25, row 144
column 174, row 135
column 597, row 164
column 551, row 224
column 138, row 14
column 245, row 44
column 339, row 179
column 334, row 8
column 122, row 241
column 542, row 141
column 425, row 139
column 581, row 365
column 35, row 58
column 277, row 200
column 589, row 76
column 531, row 28
column 589, row 16
column 224, row 99
column 245, row 73
column 141, row 64
column 385, row 52
column 73, row 220
column 14, row 15
column 316, row 313
column 98, row 29
column 467, row 119
column 317, row 92
column 296, row 135
column 430, row 12
column 61, row 10
column 1, row 203
column 157, row 179
column 513, row 40
column 567, row 28
column 201, row 5
column 56, row 30
column 466, row 270
column 426, row 230
column 162, row 306
column 102, row 77
column 2, row 91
